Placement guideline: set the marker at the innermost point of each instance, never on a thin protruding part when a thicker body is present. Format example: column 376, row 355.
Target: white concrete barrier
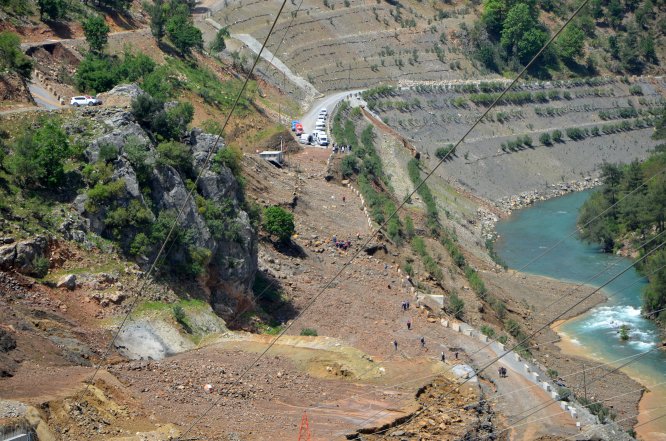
column 500, row 346
column 578, row 425
column 527, row 368
column 517, row 357
column 546, row 386
column 445, row 323
column 483, row 338
column 468, row 331
column 554, row 395
column 574, row 414
column 536, row 377
column 564, row 405
column 455, row 327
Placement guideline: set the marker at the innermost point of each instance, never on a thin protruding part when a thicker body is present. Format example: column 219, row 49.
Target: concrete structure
column 274, row 156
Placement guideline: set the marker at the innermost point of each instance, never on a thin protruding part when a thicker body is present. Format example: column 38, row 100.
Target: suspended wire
column 586, row 383
column 497, row 397
column 477, row 372
column 593, row 277
column 513, row 426
column 184, row 206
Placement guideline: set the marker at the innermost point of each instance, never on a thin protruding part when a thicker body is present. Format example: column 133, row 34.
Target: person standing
column 443, row 357
column 423, row 342
column 409, row 325
column 395, row 344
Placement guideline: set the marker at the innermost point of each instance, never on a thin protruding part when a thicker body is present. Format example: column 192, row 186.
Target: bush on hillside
column 544, row 139
column 309, row 332
column 39, row 156
column 279, row 222
column 175, row 154
column 97, row 33
column 12, row 57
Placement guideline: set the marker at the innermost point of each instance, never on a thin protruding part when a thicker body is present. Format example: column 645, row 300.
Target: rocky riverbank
column 527, row 198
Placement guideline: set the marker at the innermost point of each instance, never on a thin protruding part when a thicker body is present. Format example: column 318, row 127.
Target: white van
column 304, row 138
column 323, row 114
column 323, row 140
column 320, row 125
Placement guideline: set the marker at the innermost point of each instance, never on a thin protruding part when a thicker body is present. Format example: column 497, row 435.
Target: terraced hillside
column 349, row 44
column 517, row 147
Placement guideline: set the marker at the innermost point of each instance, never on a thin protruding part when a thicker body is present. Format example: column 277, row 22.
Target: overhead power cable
column 204, row 167
column 527, row 338
column 571, row 292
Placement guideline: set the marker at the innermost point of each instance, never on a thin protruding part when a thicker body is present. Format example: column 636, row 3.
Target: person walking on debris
column 456, row 354
column 409, row 325
column 395, row 344
column 443, row 357
column 423, row 342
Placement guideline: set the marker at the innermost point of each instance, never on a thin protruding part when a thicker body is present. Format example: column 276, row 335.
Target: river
column 595, row 334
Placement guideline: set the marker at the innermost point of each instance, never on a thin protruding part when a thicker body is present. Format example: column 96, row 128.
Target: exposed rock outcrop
column 228, row 245
column 21, row 256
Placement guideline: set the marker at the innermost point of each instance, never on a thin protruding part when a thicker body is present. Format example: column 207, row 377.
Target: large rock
column 21, row 256
column 230, row 271
column 68, row 281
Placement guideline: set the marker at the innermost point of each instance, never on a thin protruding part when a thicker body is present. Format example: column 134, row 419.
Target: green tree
column 39, row 156
column 218, row 44
column 654, row 295
column 494, row 13
column 182, row 33
column 518, row 21
column 176, row 155
column 97, row 33
column 12, row 57
column 279, row 222
column 157, row 18
column 52, row 9
column 570, row 43
column 530, row 44
column 95, row 74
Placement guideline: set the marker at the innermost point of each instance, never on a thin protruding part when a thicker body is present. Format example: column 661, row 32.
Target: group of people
column 405, row 305
column 501, row 371
column 341, row 244
column 342, row 148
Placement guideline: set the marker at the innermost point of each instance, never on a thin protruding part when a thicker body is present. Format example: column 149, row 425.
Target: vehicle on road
column 323, row 140
column 86, row 100
column 299, row 128
column 305, row 138
column 320, row 125
column 293, row 125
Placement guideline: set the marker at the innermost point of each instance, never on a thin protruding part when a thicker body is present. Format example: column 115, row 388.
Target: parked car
column 305, row 138
column 293, row 125
column 323, row 140
column 86, row 100
column 299, row 128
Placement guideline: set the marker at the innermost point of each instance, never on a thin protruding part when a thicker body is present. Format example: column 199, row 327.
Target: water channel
column 595, row 334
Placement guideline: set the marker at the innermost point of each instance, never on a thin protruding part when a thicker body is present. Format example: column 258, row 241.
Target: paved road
column 267, row 55
column 329, row 102
column 43, row 97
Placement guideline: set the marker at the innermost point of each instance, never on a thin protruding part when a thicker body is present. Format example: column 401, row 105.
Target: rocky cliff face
column 225, row 244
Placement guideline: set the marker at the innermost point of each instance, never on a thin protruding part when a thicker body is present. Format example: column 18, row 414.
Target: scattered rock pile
column 527, row 198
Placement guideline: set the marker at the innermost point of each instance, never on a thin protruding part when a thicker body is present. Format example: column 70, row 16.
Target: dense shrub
column 279, row 222
column 309, row 332
column 39, row 156
column 557, row 135
column 12, row 57
column 176, row 155
column 544, row 138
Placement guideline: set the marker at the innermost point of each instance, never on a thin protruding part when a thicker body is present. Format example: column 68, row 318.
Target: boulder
column 21, row 256
column 68, row 281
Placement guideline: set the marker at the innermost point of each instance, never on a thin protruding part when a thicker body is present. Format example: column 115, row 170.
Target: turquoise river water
column 595, row 334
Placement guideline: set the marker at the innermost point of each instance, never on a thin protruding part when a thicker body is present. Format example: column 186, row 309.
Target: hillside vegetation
column 631, row 207
column 622, row 36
